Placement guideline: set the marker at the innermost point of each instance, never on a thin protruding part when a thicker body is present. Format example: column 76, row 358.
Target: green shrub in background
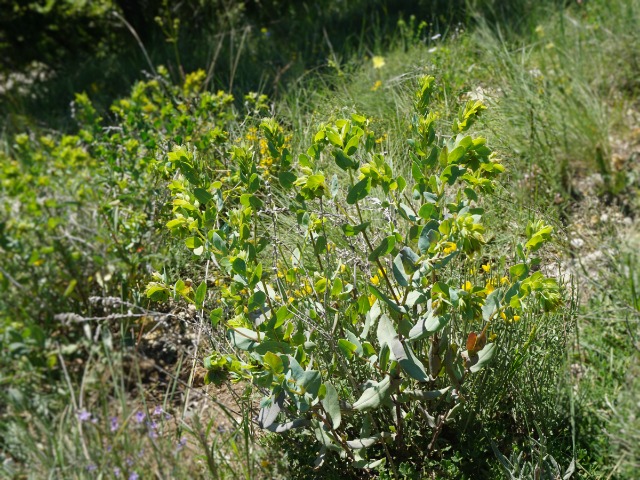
column 361, row 303
column 79, row 213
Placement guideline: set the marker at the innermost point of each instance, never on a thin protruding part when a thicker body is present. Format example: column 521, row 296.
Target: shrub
column 360, row 303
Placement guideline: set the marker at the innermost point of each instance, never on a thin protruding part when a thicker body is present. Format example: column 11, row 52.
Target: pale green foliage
column 347, row 345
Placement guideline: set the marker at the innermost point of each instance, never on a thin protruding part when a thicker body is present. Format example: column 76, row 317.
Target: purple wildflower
column 134, row 476
column 181, row 444
column 116, row 472
column 140, row 416
column 114, row 424
column 158, row 410
column 83, row 415
column 92, row 468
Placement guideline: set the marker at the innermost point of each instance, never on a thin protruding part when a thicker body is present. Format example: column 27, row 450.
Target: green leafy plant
column 349, row 299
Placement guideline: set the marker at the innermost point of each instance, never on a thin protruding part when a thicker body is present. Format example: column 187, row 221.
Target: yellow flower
column 467, row 286
column 486, row 268
column 290, row 300
column 488, row 288
column 378, row 62
column 372, row 300
column 492, row 337
column 449, row 247
column 503, row 316
column 516, row 318
column 375, row 280
column 376, row 85
column 504, row 280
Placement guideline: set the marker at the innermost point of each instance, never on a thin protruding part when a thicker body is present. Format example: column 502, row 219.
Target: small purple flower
column 83, row 415
column 92, row 468
column 158, row 410
column 181, row 444
column 140, row 416
column 134, row 476
column 116, row 472
column 114, row 424
column 129, row 461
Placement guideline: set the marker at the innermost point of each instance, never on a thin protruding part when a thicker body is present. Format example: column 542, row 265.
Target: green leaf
column 491, row 304
column 336, row 287
column 409, row 362
column 352, row 145
column 456, row 154
column 219, row 244
column 353, row 339
column 331, row 405
column 400, row 351
column 287, row 179
column 398, row 271
column 381, row 296
column 333, row 137
column 256, row 301
column 285, row 427
column 451, row 173
column 483, row 358
column 344, row 161
column 274, row 362
column 426, row 211
column 243, row 338
column 239, row 266
column 202, row 195
column 250, row 200
column 348, row 348
column 176, row 222
column 471, row 194
column 359, row 191
column 421, row 395
column 351, row 230
column 360, row 443
column 375, row 395
column 428, row 325
column 193, row 242
column 416, row 171
column 157, row 292
column 201, row 292
column 270, row 408
column 428, row 235
column 215, row 316
column 407, row 212
column 384, row 248
column 519, row 271
column 310, row 381
column 402, row 183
